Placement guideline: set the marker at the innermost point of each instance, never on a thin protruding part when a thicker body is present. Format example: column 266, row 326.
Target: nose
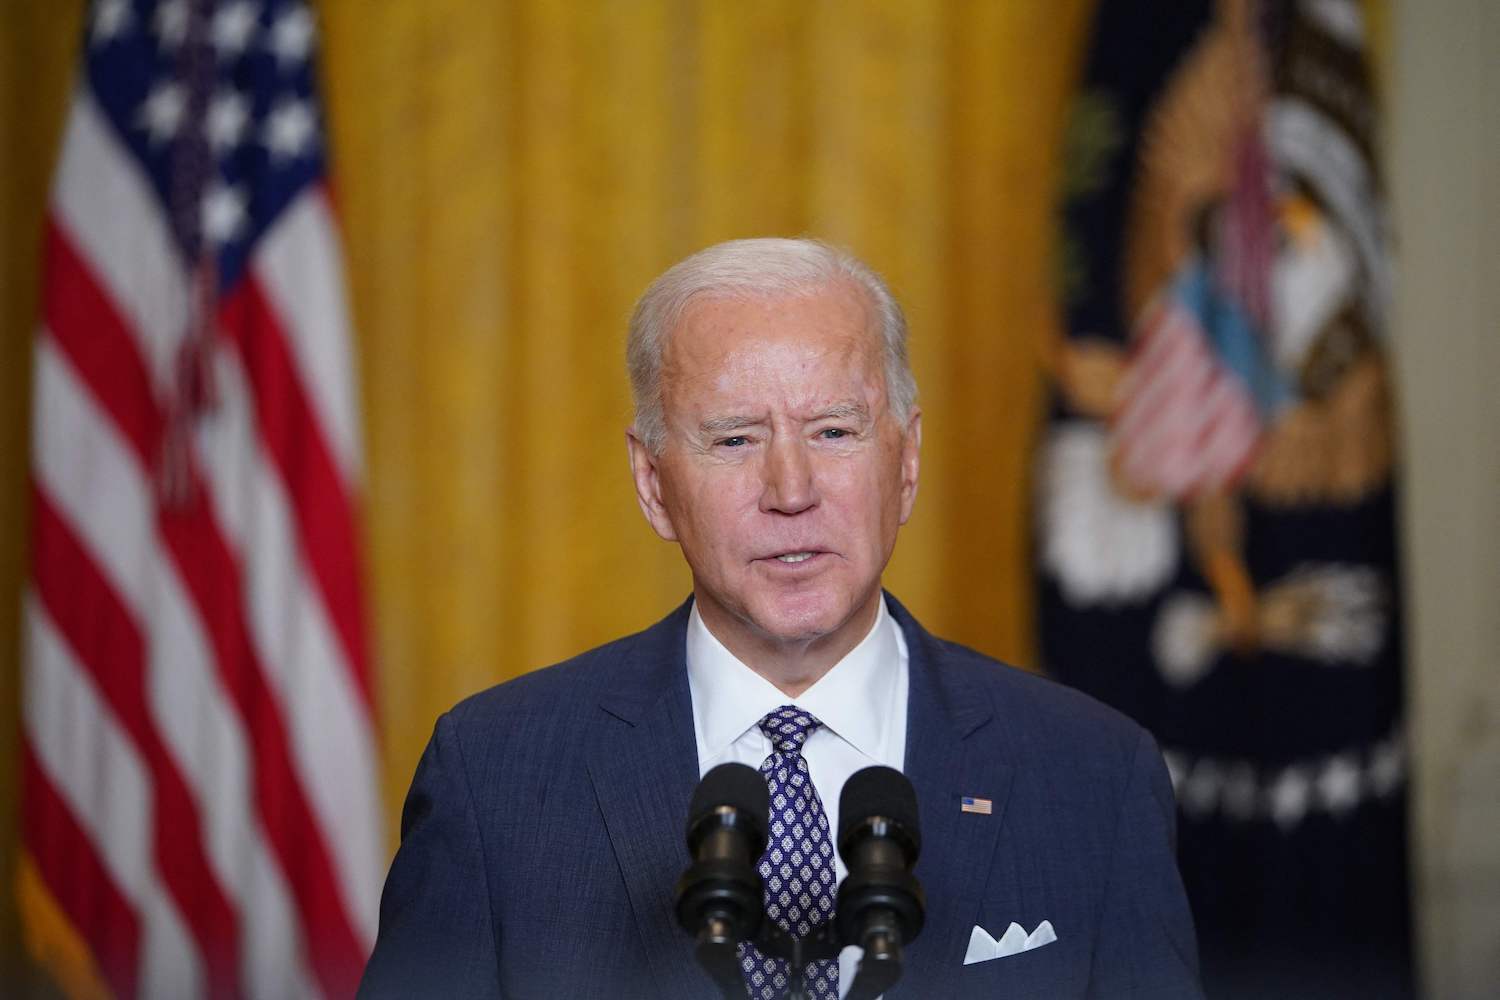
column 789, row 486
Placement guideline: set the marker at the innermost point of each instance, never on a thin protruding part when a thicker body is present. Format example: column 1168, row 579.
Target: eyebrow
column 844, row 411
column 734, row 422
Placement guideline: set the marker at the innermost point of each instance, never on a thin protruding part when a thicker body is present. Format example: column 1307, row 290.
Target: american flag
column 201, row 813
column 1185, row 422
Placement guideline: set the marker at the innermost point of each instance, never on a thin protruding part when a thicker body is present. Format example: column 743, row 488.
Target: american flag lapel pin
column 970, row 804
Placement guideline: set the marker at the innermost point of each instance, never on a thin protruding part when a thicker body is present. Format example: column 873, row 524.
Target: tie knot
column 788, row 727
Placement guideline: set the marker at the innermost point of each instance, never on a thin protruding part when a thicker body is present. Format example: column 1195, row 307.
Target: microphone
column 881, row 907
column 720, row 898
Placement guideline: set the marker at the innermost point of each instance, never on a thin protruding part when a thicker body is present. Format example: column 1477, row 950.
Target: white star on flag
column 1338, row 785
column 233, row 25
column 1387, row 767
column 292, row 36
column 289, row 131
column 1289, row 797
column 1240, row 791
column 170, row 23
column 111, row 18
column 1200, row 793
column 161, row 112
column 228, row 114
column 224, row 213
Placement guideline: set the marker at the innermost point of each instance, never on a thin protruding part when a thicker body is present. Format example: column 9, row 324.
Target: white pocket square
column 983, row 948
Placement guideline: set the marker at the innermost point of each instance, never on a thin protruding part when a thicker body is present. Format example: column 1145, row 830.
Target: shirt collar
column 851, row 699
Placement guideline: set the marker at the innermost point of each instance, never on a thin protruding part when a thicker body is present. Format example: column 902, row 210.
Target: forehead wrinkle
column 729, row 368
column 676, row 347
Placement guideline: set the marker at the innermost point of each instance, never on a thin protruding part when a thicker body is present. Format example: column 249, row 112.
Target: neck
column 791, row 665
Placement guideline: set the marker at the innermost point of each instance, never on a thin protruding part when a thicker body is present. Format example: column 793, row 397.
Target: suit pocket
column 1050, row 971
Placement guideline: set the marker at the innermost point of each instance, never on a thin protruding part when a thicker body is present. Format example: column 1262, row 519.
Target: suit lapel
column 945, row 760
column 644, row 768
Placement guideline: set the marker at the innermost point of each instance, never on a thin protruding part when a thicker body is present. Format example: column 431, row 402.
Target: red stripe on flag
column 323, row 508
column 117, row 375
column 86, row 324
column 77, row 879
column 110, row 647
column 213, row 580
column 1183, row 423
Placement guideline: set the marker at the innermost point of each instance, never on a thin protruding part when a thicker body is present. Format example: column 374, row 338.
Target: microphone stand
column 878, row 970
column 717, row 952
column 822, row 943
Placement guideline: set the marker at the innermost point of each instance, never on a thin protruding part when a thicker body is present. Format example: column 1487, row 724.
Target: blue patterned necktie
column 797, row 867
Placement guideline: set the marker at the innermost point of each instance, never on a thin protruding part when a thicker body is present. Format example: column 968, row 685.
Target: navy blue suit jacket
column 543, row 835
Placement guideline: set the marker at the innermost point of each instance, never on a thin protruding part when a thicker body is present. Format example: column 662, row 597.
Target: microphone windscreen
column 734, row 785
column 879, row 791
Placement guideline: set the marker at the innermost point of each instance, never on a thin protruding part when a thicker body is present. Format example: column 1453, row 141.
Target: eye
column 833, row 433
column 736, row 441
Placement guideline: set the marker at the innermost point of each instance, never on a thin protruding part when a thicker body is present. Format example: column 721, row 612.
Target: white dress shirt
column 861, row 702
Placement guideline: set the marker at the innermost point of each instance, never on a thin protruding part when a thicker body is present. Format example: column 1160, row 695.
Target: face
column 784, row 476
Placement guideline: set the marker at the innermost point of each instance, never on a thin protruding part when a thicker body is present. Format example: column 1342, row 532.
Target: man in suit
column 776, row 440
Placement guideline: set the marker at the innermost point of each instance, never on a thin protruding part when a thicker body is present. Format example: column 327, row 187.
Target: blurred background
column 506, row 179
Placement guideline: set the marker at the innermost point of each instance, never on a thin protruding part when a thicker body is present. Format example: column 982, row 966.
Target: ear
column 911, row 462
column 644, row 470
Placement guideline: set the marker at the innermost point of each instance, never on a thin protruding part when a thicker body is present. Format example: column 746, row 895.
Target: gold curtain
column 510, row 175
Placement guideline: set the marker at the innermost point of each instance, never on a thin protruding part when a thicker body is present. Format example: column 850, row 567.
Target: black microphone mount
column 720, row 898
column 880, row 907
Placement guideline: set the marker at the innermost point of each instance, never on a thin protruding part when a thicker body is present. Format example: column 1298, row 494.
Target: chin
column 802, row 617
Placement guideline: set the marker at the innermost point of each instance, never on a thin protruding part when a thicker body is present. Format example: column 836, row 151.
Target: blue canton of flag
column 261, row 143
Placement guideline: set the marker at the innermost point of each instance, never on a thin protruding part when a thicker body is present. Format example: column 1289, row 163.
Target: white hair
column 766, row 267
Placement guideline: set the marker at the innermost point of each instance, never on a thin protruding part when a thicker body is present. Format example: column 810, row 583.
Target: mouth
column 797, row 559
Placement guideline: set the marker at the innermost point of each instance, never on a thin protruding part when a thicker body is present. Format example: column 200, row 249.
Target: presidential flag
column 1215, row 513
column 200, row 811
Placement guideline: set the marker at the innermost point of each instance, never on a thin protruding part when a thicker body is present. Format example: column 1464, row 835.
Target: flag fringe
column 52, row 941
